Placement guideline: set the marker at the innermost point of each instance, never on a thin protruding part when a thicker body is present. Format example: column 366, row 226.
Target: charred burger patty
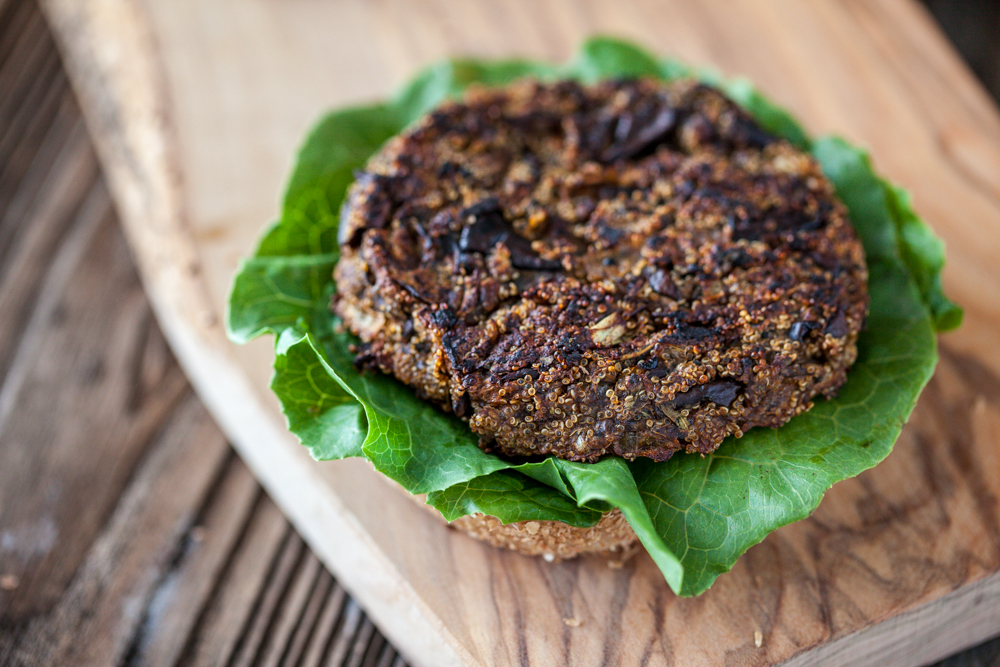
column 633, row 268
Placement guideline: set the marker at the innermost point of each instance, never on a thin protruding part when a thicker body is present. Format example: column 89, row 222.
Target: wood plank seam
column 32, row 247
column 306, row 626
column 289, row 611
column 13, row 17
column 25, row 167
column 213, row 541
column 16, row 110
column 182, row 550
column 92, row 214
column 16, row 202
column 187, row 654
column 276, row 584
column 333, row 609
column 831, row 623
column 63, row 636
column 30, row 43
column 20, row 117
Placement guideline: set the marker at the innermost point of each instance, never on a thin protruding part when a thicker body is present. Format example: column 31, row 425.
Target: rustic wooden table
column 130, row 533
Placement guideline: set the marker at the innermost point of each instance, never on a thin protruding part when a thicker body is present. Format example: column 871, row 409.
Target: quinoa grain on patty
column 634, row 268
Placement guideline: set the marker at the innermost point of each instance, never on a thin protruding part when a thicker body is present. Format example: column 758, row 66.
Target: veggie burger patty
column 633, row 268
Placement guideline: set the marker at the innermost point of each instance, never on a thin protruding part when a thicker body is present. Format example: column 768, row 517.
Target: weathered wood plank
column 194, row 574
column 117, row 399
column 28, row 112
column 877, row 561
column 171, row 615
column 305, row 624
column 12, row 16
column 984, row 655
column 333, row 607
column 97, row 615
column 351, row 634
column 28, row 47
column 91, row 406
column 276, row 586
column 218, row 632
column 25, row 170
column 16, row 109
column 285, row 617
column 31, row 248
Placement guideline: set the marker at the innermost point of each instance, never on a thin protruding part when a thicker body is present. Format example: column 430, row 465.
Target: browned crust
column 634, row 268
column 553, row 539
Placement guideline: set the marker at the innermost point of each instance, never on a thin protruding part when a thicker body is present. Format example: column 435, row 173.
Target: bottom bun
column 552, row 539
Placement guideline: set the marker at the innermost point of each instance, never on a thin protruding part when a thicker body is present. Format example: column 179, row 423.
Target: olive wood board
column 197, row 108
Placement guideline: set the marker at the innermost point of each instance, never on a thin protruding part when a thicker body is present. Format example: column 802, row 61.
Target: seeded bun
column 554, row 540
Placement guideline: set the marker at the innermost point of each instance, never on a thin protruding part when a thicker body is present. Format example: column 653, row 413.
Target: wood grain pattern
column 972, row 25
column 898, row 566
column 127, row 524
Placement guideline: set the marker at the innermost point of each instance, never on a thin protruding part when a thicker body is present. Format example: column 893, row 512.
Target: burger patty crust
column 632, row 268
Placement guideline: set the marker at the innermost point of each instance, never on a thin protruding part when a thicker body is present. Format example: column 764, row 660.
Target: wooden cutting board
column 197, row 108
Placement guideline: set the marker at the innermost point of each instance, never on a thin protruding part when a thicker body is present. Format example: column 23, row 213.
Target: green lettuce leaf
column 510, row 496
column 694, row 515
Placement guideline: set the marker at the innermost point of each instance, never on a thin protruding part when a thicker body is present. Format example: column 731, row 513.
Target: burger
column 585, row 305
